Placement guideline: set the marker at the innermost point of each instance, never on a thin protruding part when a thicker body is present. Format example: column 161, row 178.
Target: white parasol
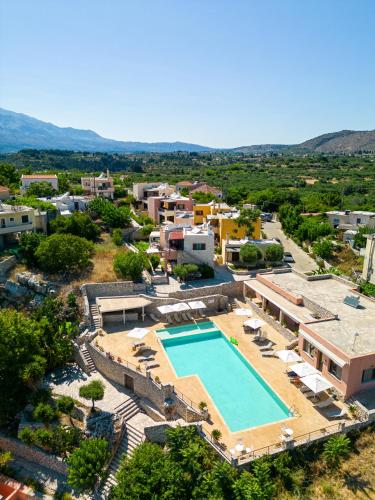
column 138, row 333
column 316, row 383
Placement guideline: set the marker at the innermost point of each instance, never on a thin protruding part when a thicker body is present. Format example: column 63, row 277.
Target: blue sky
column 215, row 72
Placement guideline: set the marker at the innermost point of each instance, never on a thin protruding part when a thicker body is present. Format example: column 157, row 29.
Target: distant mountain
column 346, row 141
column 19, row 131
column 261, row 148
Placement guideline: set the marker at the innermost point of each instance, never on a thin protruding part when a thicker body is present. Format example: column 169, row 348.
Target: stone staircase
column 128, row 408
column 88, row 359
column 95, row 316
column 131, row 438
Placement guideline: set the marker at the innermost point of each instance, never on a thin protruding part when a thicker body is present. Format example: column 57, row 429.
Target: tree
column 65, row 404
column 86, row 464
column 155, row 260
column 29, row 243
column 94, row 391
column 40, row 189
column 250, row 253
column 64, row 253
column 323, row 249
column 112, row 216
column 117, row 237
column 360, row 239
column 44, row 413
column 9, row 176
column 130, row 265
column 78, row 224
column 274, row 253
column 335, row 450
column 247, row 218
column 21, row 353
column 185, row 271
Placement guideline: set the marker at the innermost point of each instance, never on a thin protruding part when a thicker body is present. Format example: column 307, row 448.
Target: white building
column 66, row 204
column 368, row 272
column 144, row 190
column 27, row 180
column 231, row 248
column 190, row 245
column 14, row 220
column 348, row 219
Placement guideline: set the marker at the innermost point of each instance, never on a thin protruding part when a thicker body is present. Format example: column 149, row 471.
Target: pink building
column 334, row 324
column 164, row 208
column 98, row 186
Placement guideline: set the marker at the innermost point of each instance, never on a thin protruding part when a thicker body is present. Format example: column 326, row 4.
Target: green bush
column 155, row 260
column 40, row 189
column 206, row 271
column 250, row 254
column 44, row 413
column 112, row 216
column 274, row 253
column 323, row 249
column 29, row 243
column 335, row 450
column 367, row 289
column 64, row 253
column 130, row 265
column 117, row 237
column 185, row 271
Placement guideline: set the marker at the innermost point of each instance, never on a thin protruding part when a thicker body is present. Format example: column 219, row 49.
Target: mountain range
column 19, row 131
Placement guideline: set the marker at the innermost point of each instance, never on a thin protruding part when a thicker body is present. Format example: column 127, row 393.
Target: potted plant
column 203, row 409
column 216, row 435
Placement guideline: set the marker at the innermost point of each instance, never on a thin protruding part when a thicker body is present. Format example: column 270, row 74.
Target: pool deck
column 272, row 371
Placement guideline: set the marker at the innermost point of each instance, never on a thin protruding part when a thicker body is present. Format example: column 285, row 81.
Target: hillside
column 346, row 141
column 19, row 131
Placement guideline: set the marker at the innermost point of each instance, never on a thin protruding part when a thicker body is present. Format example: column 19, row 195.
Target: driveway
column 303, row 262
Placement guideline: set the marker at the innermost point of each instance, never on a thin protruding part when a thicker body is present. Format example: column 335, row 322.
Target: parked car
column 288, row 257
column 266, row 217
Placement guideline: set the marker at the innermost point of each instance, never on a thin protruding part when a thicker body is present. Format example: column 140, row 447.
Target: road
column 303, row 262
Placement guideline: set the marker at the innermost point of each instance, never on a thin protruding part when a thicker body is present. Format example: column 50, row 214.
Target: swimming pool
column 239, row 393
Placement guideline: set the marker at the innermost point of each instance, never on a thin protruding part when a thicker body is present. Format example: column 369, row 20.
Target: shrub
column 335, row 450
column 274, row 253
column 185, row 271
column 216, row 434
column 130, row 265
column 44, row 413
column 146, row 230
column 155, row 260
column 323, row 249
column 206, row 271
column 112, row 216
column 27, row 435
column 64, row 253
column 65, row 404
column 40, row 189
column 250, row 253
column 117, row 237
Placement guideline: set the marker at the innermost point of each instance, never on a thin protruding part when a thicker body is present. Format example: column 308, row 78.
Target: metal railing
column 187, row 400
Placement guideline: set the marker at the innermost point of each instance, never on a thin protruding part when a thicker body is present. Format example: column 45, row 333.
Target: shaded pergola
column 122, row 305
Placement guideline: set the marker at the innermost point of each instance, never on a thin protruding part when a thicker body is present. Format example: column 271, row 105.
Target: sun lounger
column 150, row 357
column 309, row 394
column 176, row 317
column 189, row 316
column 137, row 344
column 152, row 364
column 325, row 403
column 184, row 316
column 304, row 389
column 336, row 413
column 202, row 314
column 154, row 318
column 267, row 354
column 266, row 347
column 142, row 348
column 169, row 320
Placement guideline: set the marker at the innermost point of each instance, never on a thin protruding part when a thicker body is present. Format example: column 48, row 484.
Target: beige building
column 4, row 193
column 15, row 220
column 27, row 180
column 99, row 186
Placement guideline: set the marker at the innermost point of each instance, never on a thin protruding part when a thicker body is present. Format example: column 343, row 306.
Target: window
column 308, row 348
column 25, row 219
column 368, row 375
column 199, row 246
column 335, row 369
column 11, row 219
column 235, row 231
column 336, row 221
column 180, row 206
column 199, row 212
column 358, row 220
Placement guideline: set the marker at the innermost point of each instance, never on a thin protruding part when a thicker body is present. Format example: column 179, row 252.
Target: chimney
column 107, row 173
column 227, row 237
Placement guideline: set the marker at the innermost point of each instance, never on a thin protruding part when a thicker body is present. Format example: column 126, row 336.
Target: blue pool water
column 238, row 392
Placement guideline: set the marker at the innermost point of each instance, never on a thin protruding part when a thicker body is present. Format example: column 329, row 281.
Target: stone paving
column 67, row 382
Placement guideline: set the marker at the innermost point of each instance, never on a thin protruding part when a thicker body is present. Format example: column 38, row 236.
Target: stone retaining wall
column 32, row 454
column 113, row 288
column 232, row 289
column 144, row 385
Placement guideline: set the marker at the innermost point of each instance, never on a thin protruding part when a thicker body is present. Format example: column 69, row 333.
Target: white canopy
column 138, row 333
column 152, row 250
column 316, row 383
column 166, row 309
column 180, row 306
column 303, row 369
column 196, row 304
column 288, row 356
column 254, row 323
column 242, row 311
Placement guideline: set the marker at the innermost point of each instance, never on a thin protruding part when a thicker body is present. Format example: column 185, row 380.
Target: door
column 129, row 382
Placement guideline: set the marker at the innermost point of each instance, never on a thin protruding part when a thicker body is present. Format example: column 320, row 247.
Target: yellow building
column 222, row 219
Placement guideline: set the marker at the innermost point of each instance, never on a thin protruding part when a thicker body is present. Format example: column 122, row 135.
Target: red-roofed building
column 4, row 193
column 26, row 180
